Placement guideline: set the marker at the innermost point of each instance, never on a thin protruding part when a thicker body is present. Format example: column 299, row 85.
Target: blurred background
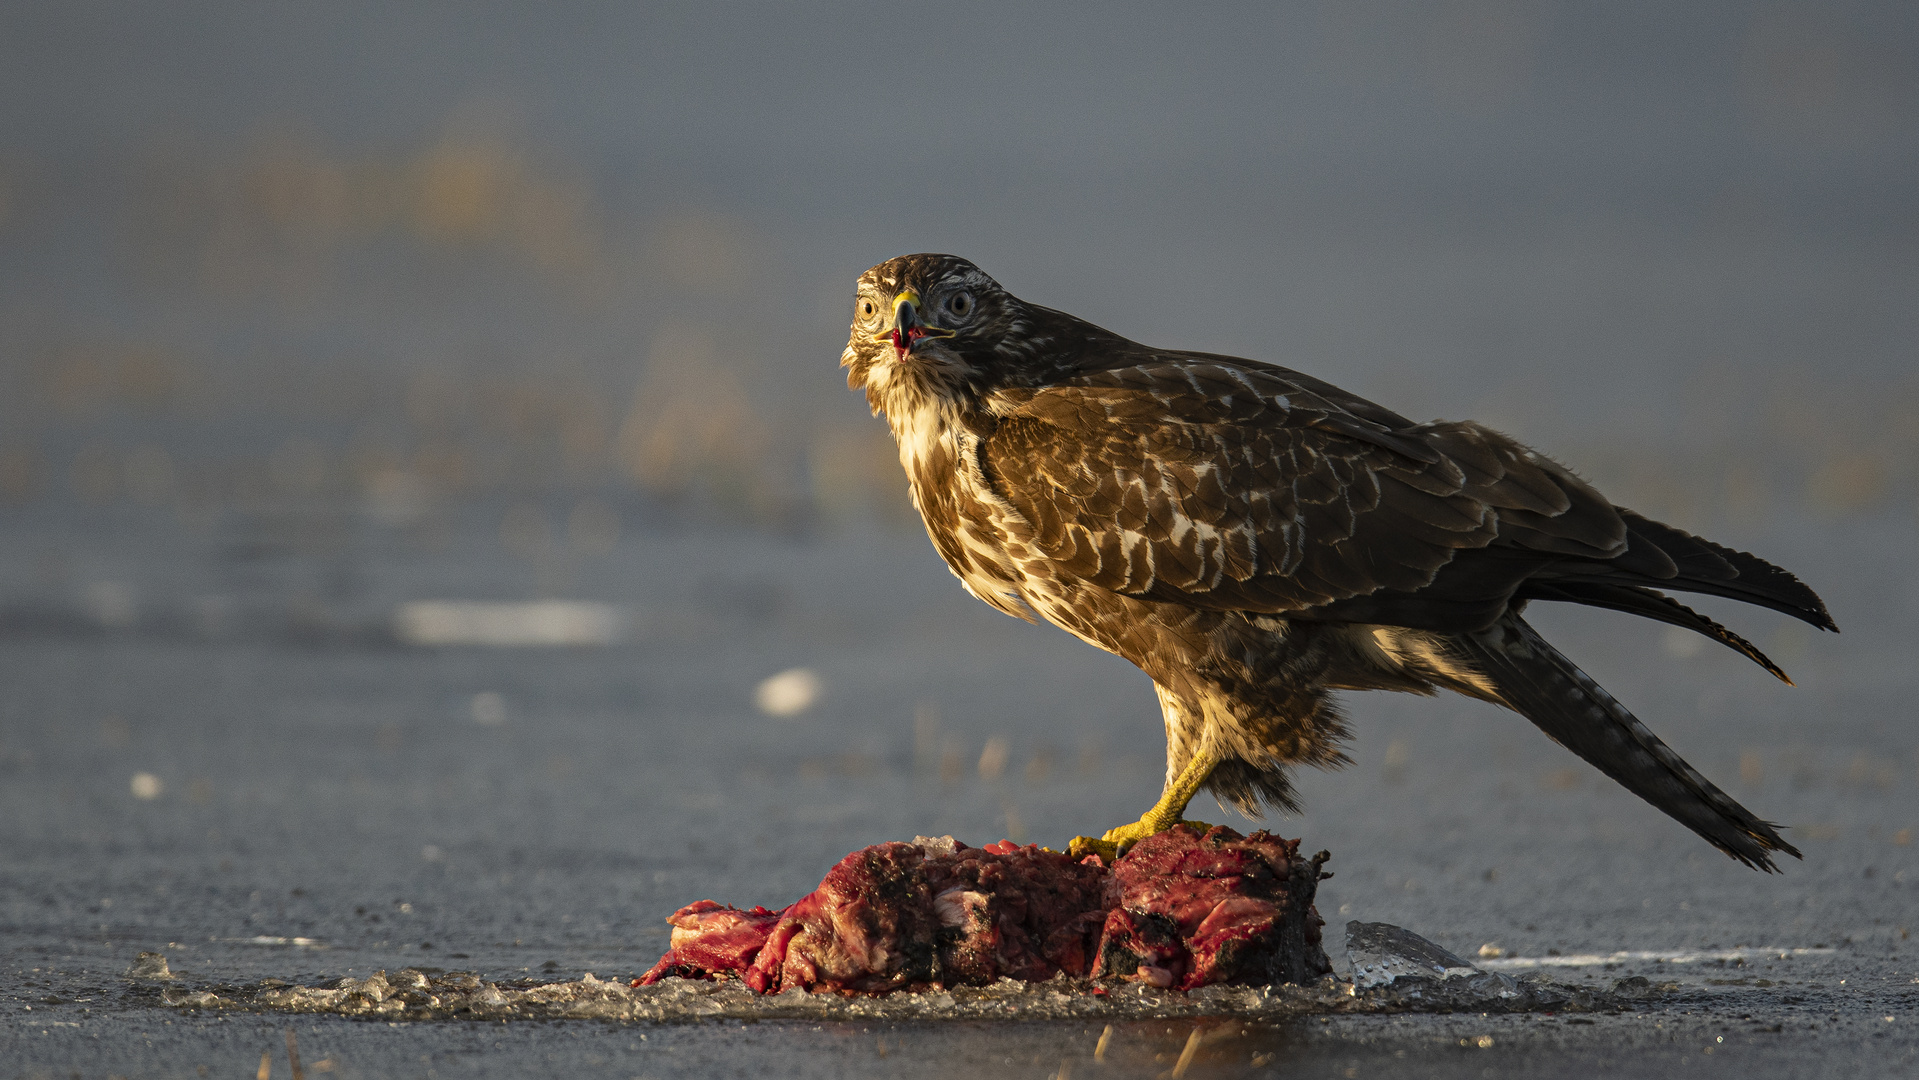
column 588, row 268
column 349, row 352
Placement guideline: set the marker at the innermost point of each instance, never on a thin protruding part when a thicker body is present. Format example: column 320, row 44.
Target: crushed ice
column 1395, row 971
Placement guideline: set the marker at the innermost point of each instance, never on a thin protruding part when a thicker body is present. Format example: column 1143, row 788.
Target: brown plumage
column 1254, row 539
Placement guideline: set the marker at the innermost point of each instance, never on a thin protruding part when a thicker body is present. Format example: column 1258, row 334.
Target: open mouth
column 905, row 339
column 907, row 330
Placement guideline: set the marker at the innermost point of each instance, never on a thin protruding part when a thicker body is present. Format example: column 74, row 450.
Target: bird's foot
column 1116, row 842
column 1083, row 846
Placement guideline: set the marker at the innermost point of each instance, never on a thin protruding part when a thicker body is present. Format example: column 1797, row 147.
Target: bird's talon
column 1083, row 846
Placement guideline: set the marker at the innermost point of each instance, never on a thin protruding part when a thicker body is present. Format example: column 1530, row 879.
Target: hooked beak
column 907, row 328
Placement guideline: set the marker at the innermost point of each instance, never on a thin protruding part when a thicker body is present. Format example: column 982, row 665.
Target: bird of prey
column 1255, row 539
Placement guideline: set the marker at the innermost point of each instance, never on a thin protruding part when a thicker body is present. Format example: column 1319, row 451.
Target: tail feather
column 1635, row 600
column 1701, row 566
column 1533, row 679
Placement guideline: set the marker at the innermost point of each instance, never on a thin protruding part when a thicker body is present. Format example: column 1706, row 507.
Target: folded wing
column 1232, row 485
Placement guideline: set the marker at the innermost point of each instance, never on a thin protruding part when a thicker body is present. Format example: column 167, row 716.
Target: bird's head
column 928, row 324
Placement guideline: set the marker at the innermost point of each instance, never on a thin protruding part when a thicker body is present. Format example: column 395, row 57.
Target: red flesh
column 1181, row 909
column 913, row 334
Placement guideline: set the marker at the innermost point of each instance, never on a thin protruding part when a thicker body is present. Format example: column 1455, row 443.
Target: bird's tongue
column 903, row 339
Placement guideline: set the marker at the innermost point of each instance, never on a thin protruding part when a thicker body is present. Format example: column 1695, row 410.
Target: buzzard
column 1254, row 539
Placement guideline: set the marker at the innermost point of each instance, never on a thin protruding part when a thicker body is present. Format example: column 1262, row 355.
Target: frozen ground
column 330, row 803
column 291, row 271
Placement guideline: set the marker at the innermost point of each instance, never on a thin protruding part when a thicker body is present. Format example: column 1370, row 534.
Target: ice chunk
column 936, row 845
column 192, row 999
column 148, row 965
column 1381, row 952
column 1390, row 962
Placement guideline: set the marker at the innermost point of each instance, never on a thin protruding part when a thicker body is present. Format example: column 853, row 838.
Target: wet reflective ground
column 324, row 804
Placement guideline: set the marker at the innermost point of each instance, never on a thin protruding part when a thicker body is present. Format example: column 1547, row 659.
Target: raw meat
column 1182, row 909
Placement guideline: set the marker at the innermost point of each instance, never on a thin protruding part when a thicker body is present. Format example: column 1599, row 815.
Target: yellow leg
column 1169, row 811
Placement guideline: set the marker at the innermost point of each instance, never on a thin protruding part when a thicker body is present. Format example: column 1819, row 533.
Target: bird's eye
column 868, row 308
column 960, row 303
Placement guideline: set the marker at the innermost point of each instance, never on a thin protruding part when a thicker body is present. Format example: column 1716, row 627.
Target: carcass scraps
column 1183, row 909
